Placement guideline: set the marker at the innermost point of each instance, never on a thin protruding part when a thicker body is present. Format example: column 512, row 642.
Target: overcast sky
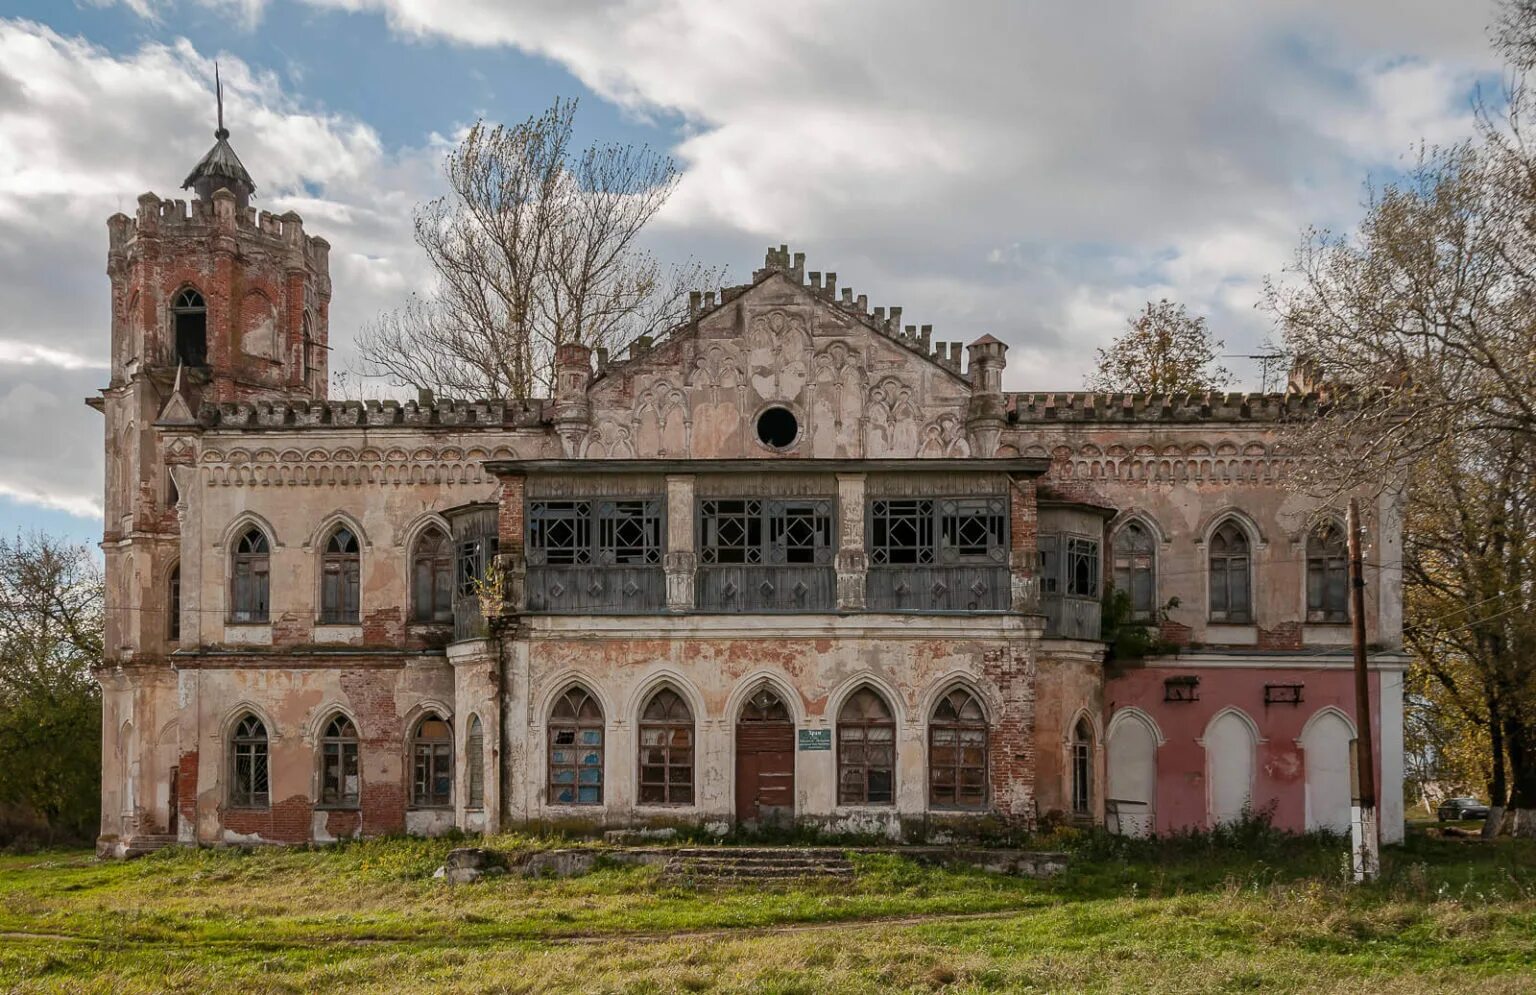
column 1034, row 170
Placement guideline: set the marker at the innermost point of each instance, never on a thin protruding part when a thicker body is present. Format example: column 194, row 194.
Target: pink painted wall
column 1279, row 768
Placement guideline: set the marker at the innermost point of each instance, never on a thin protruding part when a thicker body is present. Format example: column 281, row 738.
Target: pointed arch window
column 1327, row 575
column 957, row 752
column 765, row 706
column 308, row 347
column 1082, row 769
column 340, row 572
column 474, row 764
column 866, row 750
column 248, row 784
column 432, row 577
column 173, row 605
column 340, row 783
column 1230, row 564
column 249, row 595
column 1135, row 568
column 432, row 763
column 189, row 316
column 576, row 749
column 666, row 750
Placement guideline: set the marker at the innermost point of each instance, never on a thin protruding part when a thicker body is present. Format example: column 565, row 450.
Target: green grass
column 1248, row 910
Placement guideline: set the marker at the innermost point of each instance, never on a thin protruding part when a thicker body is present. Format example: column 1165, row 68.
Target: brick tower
column 212, row 301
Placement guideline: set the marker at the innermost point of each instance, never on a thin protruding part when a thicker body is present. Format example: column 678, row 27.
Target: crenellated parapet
column 374, row 413
column 1213, row 406
column 168, row 217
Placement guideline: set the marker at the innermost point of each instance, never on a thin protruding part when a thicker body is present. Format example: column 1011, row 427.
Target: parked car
column 1462, row 808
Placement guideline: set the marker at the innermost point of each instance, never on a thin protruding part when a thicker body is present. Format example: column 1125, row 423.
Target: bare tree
column 535, row 245
column 1165, row 350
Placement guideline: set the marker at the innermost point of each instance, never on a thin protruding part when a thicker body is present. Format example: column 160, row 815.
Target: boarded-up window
column 1229, row 560
column 249, row 594
column 666, row 750
column 1327, row 575
column 432, row 577
column 340, row 785
column 248, row 786
column 340, row 572
column 576, row 749
column 432, row 763
column 1135, row 569
column 866, row 751
column 474, row 764
column 957, row 752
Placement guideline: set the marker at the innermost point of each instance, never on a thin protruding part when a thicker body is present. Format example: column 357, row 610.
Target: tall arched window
column 474, row 764
column 1327, row 575
column 249, row 600
column 340, row 785
column 248, row 785
column 1082, row 769
column 576, row 749
column 432, row 763
column 666, row 750
column 307, row 347
column 432, row 577
column 1230, row 565
column 957, row 752
column 1134, row 553
column 173, row 605
column 339, row 583
column 866, row 751
column 189, row 314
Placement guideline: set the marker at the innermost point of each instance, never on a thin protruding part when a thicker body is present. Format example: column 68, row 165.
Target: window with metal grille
column 973, row 530
column 249, row 578
column 666, row 750
column 1135, row 568
column 432, row 763
column 1327, row 575
column 753, row 531
column 957, row 752
column 340, row 578
column 576, row 749
column 474, row 764
column 432, row 577
column 1082, row 579
column 248, row 785
column 340, row 785
column 1229, row 567
column 1082, row 769
column 866, row 751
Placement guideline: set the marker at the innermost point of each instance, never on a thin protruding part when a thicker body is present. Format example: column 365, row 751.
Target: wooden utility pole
column 1364, row 834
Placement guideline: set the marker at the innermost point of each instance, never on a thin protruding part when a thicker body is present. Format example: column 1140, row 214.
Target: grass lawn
column 1254, row 911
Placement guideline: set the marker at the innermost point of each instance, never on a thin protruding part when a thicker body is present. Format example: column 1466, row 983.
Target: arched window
column 248, row 786
column 432, row 577
column 308, row 347
column 249, row 578
column 474, row 764
column 957, row 752
column 339, row 582
column 765, row 706
column 1230, row 563
column 173, row 605
column 190, row 317
column 1327, row 575
column 432, row 763
column 1135, row 563
column 666, row 750
column 1082, row 769
column 576, row 749
column 339, row 780
column 866, row 751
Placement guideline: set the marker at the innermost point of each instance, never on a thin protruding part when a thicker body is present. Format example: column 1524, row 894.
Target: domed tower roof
column 221, row 168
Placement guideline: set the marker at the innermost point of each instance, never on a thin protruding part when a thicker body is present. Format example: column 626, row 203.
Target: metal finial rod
column 218, row 90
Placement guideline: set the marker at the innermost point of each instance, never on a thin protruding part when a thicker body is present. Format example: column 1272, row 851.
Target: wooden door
column 765, row 763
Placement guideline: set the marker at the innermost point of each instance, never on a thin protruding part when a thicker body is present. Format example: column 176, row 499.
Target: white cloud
column 247, row 12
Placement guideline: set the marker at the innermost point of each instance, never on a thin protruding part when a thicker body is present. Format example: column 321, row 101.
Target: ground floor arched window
column 957, row 752
column 866, row 750
column 576, row 749
column 1082, row 769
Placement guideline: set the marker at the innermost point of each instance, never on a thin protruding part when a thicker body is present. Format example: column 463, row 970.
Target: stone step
column 814, row 853
column 723, row 865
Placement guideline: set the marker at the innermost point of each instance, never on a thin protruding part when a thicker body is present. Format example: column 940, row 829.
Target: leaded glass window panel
column 576, row 749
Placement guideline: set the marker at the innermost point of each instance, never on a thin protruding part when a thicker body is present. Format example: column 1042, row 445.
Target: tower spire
column 218, row 92
column 221, row 169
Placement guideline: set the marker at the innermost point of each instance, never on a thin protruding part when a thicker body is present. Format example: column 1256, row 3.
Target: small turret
column 221, row 169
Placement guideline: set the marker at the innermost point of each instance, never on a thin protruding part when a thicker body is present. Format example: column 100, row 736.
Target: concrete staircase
column 732, row 864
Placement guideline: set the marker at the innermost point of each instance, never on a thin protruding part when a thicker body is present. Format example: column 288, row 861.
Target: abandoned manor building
column 792, row 562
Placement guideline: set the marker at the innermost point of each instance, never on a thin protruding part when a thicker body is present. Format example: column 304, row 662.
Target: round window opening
column 777, row 427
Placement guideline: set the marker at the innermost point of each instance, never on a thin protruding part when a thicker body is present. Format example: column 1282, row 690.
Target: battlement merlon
column 280, row 414
column 1195, row 408
column 177, row 218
